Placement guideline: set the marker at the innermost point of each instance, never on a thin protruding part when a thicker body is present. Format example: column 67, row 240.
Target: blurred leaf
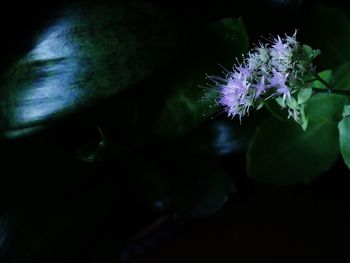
column 220, row 137
column 280, row 101
column 344, row 135
column 191, row 187
column 282, row 153
column 310, row 52
column 85, row 54
column 341, row 77
column 188, row 104
column 328, row 29
column 304, row 94
column 326, row 75
column 292, row 103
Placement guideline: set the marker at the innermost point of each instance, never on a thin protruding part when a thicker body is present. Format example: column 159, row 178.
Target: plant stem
column 329, row 86
column 334, row 91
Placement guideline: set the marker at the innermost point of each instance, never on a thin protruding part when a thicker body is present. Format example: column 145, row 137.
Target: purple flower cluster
column 271, row 71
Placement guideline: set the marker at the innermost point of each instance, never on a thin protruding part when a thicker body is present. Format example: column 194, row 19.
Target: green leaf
column 326, row 75
column 87, row 53
column 304, row 118
column 346, row 111
column 281, row 102
column 310, row 52
column 292, row 103
column 328, row 29
column 282, row 153
column 344, row 139
column 189, row 105
column 344, row 135
column 304, row 95
column 341, row 77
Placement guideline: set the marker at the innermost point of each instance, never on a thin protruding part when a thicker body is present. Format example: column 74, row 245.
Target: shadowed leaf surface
column 86, row 53
column 282, row 153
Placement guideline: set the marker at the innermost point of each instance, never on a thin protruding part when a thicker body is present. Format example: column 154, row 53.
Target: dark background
column 55, row 208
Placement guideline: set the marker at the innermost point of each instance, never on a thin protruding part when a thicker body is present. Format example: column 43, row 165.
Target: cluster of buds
column 277, row 70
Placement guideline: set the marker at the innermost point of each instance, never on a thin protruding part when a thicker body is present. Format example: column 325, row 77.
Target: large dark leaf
column 86, row 53
column 282, row 153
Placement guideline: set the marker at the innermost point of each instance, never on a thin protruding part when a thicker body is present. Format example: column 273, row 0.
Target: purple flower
column 246, row 72
column 273, row 70
column 260, row 87
column 235, row 95
column 281, row 54
column 278, row 45
column 278, row 81
column 278, row 78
